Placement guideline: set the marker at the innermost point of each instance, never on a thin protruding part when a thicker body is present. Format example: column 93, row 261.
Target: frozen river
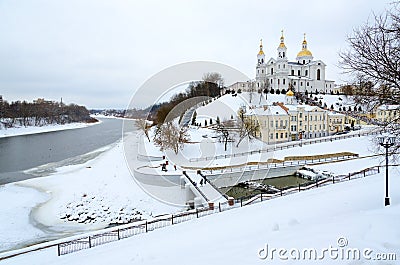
column 54, row 149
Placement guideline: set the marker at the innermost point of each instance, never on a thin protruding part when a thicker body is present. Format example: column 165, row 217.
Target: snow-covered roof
column 389, row 107
column 268, row 111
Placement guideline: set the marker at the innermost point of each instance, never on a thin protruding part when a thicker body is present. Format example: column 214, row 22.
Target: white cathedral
column 304, row 74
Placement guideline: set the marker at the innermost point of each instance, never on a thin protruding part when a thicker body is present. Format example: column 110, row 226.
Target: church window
column 298, row 72
column 318, row 74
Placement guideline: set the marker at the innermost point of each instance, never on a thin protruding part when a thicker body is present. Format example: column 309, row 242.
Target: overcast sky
column 97, row 53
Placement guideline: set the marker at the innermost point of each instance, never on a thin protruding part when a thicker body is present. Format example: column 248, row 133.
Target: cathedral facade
column 303, row 74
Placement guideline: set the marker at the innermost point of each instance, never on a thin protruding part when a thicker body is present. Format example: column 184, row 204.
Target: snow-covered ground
column 337, row 222
column 42, row 129
column 76, row 198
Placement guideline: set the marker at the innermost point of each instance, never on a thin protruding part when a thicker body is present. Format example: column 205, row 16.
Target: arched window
column 318, row 74
column 298, row 72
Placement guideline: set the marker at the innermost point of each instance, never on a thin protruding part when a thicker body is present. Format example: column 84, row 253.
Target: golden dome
column 282, row 44
column 304, row 52
column 290, row 93
column 261, row 48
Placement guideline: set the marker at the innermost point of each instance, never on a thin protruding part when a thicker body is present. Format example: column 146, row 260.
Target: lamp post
column 387, row 141
column 301, row 138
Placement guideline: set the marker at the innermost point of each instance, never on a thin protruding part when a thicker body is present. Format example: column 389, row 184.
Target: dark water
column 283, row 182
column 19, row 153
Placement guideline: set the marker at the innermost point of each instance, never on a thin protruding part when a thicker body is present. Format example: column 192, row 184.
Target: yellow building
column 388, row 113
column 290, row 122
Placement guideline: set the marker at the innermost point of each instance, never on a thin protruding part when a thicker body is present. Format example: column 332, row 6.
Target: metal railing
column 283, row 146
column 120, row 232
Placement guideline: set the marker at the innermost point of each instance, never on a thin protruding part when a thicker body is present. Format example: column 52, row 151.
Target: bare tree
column 248, row 127
column 143, row 125
column 373, row 58
column 214, row 77
column 169, row 136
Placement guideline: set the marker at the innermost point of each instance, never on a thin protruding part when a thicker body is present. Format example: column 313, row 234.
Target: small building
column 388, row 113
column 291, row 121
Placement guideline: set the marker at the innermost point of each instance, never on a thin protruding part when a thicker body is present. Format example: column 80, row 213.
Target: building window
column 262, row 71
column 298, row 72
column 305, row 118
column 304, row 61
column 310, row 127
column 292, row 72
column 283, row 56
column 311, row 118
column 271, row 136
column 301, row 115
column 278, row 81
column 301, row 83
column 276, row 124
column 306, row 73
column 279, row 66
column 272, row 71
column 281, row 135
column 272, row 124
column 284, row 81
column 277, row 135
column 318, row 74
column 286, row 135
column 308, row 83
column 294, row 83
column 284, row 65
column 300, row 123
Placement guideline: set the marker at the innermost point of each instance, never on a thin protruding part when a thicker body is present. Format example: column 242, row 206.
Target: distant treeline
column 41, row 112
column 159, row 112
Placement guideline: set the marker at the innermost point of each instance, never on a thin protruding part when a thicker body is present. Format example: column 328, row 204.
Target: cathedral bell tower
column 282, row 54
column 260, row 55
column 260, row 68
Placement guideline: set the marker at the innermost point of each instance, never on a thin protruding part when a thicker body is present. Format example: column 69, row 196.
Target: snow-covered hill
column 348, row 217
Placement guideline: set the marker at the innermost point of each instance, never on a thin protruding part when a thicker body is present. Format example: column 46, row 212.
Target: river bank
column 18, row 131
column 86, row 189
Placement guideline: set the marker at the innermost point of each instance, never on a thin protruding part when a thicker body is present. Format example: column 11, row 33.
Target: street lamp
column 387, row 141
column 301, row 138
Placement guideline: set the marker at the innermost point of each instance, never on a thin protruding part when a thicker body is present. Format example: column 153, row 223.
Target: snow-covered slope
column 347, row 215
